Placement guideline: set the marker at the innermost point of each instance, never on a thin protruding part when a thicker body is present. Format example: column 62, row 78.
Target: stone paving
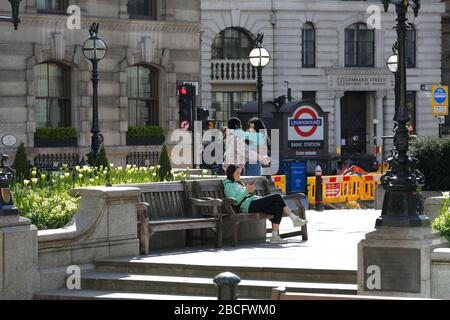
column 332, row 245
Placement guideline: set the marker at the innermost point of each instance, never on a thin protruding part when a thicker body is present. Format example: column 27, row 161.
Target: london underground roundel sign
column 305, row 124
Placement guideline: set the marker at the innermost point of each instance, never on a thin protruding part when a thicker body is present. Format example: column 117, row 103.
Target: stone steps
column 140, row 279
column 140, row 266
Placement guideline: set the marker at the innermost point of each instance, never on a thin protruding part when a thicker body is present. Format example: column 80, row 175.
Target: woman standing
column 258, row 140
column 234, row 146
column 248, row 202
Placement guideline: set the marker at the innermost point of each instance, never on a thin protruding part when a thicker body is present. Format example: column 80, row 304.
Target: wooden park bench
column 165, row 207
column 209, row 190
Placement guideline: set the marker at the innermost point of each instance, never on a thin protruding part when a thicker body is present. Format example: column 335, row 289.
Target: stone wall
column 171, row 44
column 105, row 226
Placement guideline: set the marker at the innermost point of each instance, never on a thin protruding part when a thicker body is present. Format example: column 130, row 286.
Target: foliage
column 434, row 156
column 165, row 166
column 55, row 133
column 145, row 131
column 102, row 159
column 45, row 198
column 442, row 223
column 20, row 164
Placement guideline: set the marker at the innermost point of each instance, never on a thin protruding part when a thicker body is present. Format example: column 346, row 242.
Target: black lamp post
column 14, row 19
column 259, row 58
column 94, row 49
column 402, row 206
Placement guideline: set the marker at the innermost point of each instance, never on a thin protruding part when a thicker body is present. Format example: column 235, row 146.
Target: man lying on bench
column 249, row 202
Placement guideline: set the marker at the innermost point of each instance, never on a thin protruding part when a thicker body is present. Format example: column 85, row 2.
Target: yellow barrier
column 280, row 182
column 343, row 189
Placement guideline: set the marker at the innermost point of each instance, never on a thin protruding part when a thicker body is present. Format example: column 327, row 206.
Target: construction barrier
column 343, row 189
column 280, row 182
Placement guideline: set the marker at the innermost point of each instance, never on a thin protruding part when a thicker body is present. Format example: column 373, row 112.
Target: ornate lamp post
column 402, row 206
column 94, row 49
column 14, row 19
column 259, row 58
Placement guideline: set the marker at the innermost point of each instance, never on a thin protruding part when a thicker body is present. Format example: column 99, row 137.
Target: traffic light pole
column 193, row 120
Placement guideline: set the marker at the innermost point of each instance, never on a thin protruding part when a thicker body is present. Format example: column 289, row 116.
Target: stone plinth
column 397, row 262
column 19, row 277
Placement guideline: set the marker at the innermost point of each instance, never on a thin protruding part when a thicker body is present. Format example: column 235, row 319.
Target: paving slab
column 332, row 245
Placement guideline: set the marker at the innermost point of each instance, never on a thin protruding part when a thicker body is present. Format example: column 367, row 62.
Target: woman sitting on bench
column 248, row 202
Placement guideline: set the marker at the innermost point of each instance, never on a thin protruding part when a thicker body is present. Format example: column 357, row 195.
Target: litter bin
column 295, row 172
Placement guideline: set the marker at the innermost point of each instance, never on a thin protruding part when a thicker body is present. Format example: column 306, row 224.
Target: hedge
column 145, row 131
column 433, row 154
column 55, row 133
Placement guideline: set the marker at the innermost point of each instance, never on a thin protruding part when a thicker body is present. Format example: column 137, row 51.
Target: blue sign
column 440, row 96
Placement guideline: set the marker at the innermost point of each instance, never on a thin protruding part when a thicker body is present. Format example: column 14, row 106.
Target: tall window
column 308, row 45
column 411, row 48
column 143, row 96
column 52, row 95
column 359, row 46
column 226, row 104
column 52, row 6
column 142, row 9
column 411, row 105
column 232, row 43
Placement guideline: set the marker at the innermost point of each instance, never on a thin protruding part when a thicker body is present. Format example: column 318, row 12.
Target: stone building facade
column 45, row 79
column 323, row 50
column 446, row 57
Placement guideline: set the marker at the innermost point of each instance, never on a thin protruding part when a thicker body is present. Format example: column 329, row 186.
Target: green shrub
column 55, row 133
column 442, row 223
column 102, row 159
column 21, row 164
column 434, row 156
column 145, row 131
column 165, row 167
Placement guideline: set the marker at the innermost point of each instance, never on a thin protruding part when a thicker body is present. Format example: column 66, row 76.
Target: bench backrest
column 213, row 188
column 166, row 200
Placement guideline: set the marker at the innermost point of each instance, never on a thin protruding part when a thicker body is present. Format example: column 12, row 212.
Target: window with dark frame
column 52, row 6
column 309, row 96
column 308, row 45
column 142, row 9
column 52, row 82
column 232, row 43
column 411, row 48
column 143, row 102
column 226, row 104
column 359, row 46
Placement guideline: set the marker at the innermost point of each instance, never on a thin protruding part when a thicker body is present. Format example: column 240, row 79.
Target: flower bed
column 45, row 198
column 442, row 223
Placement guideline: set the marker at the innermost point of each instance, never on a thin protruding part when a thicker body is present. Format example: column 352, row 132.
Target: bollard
column 319, row 204
column 227, row 283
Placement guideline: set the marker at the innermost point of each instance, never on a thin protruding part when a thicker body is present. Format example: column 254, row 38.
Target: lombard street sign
column 359, row 80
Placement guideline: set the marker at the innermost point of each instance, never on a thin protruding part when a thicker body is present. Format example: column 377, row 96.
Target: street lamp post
column 259, row 58
column 94, row 49
column 14, row 19
column 402, row 206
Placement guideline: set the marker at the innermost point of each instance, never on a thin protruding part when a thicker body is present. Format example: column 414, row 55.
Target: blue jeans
column 253, row 169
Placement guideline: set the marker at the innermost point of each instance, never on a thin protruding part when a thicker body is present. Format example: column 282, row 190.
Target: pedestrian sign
column 439, row 100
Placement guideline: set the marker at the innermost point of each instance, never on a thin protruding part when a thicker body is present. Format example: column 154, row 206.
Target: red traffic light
column 183, row 91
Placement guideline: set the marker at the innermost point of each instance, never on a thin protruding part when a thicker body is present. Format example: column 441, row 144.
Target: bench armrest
column 228, row 203
column 295, row 196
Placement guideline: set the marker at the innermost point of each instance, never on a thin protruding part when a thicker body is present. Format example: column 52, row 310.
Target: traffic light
column 185, row 102
column 203, row 116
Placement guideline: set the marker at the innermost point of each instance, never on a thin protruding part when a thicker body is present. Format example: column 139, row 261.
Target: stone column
column 19, row 276
column 337, row 121
column 380, row 95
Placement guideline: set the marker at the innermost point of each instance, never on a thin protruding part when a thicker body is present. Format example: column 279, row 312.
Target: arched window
column 143, row 96
column 232, row 43
column 308, row 45
column 359, row 46
column 52, row 95
column 411, row 48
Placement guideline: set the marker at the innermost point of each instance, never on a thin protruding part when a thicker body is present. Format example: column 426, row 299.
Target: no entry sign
column 305, row 125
